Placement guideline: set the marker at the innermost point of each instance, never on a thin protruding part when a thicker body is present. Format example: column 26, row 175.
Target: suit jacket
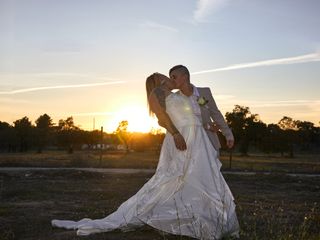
column 210, row 113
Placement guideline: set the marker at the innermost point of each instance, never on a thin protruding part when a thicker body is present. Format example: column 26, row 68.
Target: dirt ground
column 268, row 206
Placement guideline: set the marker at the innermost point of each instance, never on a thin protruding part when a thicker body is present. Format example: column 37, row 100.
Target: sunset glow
column 137, row 117
column 91, row 62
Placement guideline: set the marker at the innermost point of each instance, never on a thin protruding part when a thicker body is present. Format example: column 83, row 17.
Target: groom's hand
column 230, row 143
column 179, row 141
column 212, row 127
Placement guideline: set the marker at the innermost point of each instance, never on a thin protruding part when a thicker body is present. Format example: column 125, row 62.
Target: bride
column 187, row 195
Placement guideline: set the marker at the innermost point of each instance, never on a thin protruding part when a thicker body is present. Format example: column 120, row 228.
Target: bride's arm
column 157, row 105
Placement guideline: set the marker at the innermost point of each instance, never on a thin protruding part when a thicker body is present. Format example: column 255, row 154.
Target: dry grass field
column 268, row 206
column 149, row 160
column 273, row 206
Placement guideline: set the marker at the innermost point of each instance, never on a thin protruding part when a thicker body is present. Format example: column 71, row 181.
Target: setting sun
column 137, row 117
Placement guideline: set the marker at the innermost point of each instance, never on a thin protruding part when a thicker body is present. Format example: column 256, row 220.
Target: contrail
column 289, row 103
column 59, row 87
column 313, row 57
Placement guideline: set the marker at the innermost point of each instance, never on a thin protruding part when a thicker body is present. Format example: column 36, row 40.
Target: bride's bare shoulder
column 159, row 93
column 157, row 98
column 156, row 95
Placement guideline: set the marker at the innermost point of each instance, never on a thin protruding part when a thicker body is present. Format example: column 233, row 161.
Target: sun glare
column 137, row 117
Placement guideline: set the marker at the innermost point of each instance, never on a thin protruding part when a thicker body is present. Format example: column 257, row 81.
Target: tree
column 247, row 128
column 67, row 124
column 43, row 127
column 123, row 134
column 8, row 138
column 274, row 140
column 255, row 130
column 157, row 137
column 308, row 134
column 140, row 142
column 289, row 127
column 287, row 123
column 67, row 134
column 237, row 121
column 91, row 138
column 23, row 129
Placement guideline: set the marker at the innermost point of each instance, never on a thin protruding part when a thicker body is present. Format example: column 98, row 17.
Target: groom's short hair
column 181, row 68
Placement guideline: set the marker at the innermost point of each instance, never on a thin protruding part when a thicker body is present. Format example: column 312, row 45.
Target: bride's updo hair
column 151, row 83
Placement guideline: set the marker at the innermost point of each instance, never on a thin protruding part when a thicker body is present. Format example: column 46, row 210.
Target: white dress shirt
column 194, row 101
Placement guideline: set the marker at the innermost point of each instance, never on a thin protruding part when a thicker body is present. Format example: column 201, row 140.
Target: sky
column 90, row 59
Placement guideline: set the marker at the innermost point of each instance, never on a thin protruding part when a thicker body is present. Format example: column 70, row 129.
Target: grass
column 268, row 206
column 304, row 163
column 113, row 159
column 278, row 207
column 149, row 159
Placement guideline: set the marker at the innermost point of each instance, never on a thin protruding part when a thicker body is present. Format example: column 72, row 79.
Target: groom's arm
column 157, row 104
column 219, row 120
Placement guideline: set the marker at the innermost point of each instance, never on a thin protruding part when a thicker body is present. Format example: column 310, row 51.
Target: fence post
column 230, row 158
column 101, row 150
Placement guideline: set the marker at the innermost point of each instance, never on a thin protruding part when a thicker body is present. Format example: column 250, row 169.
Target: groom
column 203, row 105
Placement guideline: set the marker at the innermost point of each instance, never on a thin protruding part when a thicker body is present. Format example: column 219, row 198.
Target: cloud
column 312, row 57
column 24, row 90
column 157, row 26
column 205, row 7
column 55, row 75
column 13, row 100
column 312, row 105
column 288, row 103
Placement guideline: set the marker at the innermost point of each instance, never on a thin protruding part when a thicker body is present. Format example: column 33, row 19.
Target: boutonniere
column 202, row 101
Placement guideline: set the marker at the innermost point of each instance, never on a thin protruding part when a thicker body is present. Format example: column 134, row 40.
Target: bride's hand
column 179, row 141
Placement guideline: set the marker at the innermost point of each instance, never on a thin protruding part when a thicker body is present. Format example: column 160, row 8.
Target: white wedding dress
column 187, row 195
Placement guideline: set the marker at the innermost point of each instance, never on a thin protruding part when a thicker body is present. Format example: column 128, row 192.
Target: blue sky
column 89, row 59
